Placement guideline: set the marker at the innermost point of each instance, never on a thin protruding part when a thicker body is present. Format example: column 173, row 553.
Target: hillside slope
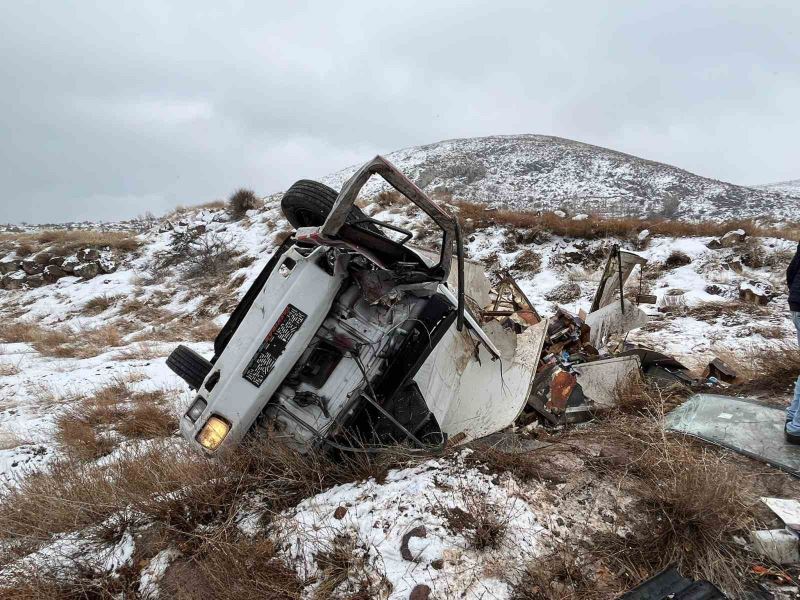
column 790, row 188
column 545, row 172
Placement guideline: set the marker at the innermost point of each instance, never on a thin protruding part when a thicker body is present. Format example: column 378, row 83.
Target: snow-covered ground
column 35, row 388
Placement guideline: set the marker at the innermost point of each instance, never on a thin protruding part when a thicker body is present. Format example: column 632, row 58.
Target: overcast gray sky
column 111, row 110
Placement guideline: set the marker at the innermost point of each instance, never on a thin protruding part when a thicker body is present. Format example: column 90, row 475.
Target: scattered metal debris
column 671, row 585
column 720, row 370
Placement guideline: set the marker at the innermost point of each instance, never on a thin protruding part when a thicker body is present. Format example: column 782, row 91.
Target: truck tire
column 189, row 366
column 308, row 203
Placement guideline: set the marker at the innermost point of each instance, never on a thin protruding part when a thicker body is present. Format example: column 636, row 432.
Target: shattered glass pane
column 743, row 425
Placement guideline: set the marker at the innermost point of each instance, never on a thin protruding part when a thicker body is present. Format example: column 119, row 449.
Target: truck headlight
column 213, row 432
column 196, row 409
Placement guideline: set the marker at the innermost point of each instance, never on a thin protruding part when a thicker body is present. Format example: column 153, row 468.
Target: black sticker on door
column 274, row 344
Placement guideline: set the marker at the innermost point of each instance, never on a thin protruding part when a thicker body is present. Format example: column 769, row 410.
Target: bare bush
column 481, row 522
column 202, row 254
column 241, row 201
column 771, row 369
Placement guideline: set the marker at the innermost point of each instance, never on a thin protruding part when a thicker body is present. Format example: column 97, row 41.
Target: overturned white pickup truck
column 352, row 339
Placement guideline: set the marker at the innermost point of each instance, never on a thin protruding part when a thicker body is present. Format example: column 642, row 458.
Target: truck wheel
column 308, row 203
column 189, row 366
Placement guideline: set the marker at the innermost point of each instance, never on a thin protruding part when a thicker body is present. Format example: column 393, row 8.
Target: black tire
column 189, row 366
column 308, row 203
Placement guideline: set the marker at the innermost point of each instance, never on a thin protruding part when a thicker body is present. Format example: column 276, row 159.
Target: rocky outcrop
column 31, row 267
column 86, row 270
column 13, row 281
column 69, row 264
column 106, row 265
column 9, row 265
column 88, row 255
column 35, row 281
column 53, row 273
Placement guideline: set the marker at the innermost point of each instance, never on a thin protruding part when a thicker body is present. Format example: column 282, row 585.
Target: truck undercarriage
column 351, row 338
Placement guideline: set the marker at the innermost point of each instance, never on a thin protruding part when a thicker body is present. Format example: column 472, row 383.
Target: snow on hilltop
column 545, row 172
column 790, row 188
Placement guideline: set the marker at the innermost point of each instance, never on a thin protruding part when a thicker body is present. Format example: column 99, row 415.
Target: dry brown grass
column 524, row 466
column 99, row 304
column 64, row 242
column 8, row 369
column 230, row 566
column 141, row 351
column 183, row 329
column 148, row 419
column 482, row 523
column 711, row 311
column 766, row 370
column 86, row 430
column 560, row 575
column 62, row 342
column 692, row 501
column 596, row 227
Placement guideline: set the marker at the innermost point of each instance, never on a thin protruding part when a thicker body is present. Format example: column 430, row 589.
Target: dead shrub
column 634, row 396
column 677, row 259
column 480, row 522
column 230, row 566
column 7, row 369
column 80, row 439
column 99, row 304
column 693, row 503
column 148, row 420
column 64, row 342
column 523, row 466
column 528, row 261
column 559, row 576
column 770, row 369
column 241, row 201
column 202, row 254
column 343, row 565
column 73, row 581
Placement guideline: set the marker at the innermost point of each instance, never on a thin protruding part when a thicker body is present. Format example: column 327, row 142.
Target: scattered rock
column 106, row 265
column 560, row 214
column 86, row 270
column 714, row 244
column 56, row 260
column 88, row 254
column 756, row 292
column 165, row 226
column 199, row 227
column 339, row 513
column 9, row 265
column 734, row 265
column 420, row 592
column 13, row 281
column 53, row 273
column 733, row 238
column 69, row 264
column 35, row 281
column 566, row 292
column 438, row 564
column 714, row 290
column 42, row 258
column 31, row 267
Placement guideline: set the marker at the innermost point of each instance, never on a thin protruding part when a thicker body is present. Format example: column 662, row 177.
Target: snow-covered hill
column 545, row 172
column 790, row 188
